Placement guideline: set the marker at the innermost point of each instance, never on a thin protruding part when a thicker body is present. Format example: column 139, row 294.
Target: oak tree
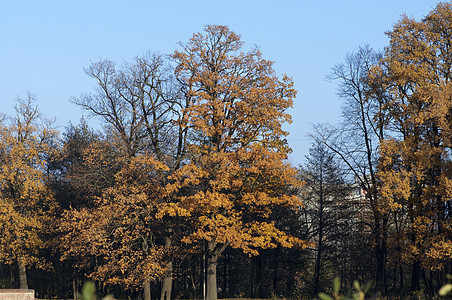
column 235, row 172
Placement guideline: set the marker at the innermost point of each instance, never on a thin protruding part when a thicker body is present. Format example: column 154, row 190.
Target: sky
column 45, row 45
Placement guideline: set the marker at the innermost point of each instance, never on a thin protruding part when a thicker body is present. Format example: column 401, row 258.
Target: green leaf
column 357, row 286
column 445, row 290
column 324, row 296
column 89, row 291
column 337, row 284
column 367, row 287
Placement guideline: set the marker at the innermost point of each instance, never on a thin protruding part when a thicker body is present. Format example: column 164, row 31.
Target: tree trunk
column 74, row 288
column 212, row 261
column 168, row 277
column 317, row 270
column 22, row 274
column 192, row 275
column 320, row 241
column 11, row 277
column 380, row 268
column 213, row 252
column 318, row 259
column 225, row 274
column 257, row 275
column 147, row 291
column 380, row 237
column 401, row 276
column 415, row 272
column 167, row 282
column 275, row 270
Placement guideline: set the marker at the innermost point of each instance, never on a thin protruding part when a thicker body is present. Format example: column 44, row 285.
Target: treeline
column 186, row 192
column 175, row 197
column 395, row 141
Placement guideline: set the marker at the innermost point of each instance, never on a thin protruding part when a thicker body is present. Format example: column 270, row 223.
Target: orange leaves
column 235, row 174
column 268, row 236
column 27, row 205
column 415, row 165
column 213, row 161
column 124, row 246
column 438, row 254
column 122, row 228
column 236, row 96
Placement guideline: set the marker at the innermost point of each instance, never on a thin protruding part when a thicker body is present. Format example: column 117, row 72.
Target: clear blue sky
column 46, row 44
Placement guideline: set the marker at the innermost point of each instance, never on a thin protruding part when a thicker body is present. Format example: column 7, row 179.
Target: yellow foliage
column 415, row 165
column 27, row 204
column 236, row 173
column 120, row 229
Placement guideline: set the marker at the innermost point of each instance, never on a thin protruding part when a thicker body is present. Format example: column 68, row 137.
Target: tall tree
column 120, row 231
column 325, row 196
column 236, row 171
column 357, row 140
column 143, row 108
column 27, row 203
column 415, row 160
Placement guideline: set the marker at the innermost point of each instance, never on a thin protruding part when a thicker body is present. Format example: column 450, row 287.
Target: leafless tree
column 143, row 105
column 356, row 140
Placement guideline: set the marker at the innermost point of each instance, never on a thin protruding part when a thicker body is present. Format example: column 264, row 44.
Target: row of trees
column 395, row 141
column 191, row 162
column 187, row 184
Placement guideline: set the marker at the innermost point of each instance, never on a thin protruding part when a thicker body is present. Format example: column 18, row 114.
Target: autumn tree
column 120, row 231
column 236, row 171
column 415, row 160
column 86, row 167
column 27, row 205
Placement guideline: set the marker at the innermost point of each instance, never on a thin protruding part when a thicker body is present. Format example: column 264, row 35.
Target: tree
column 415, row 161
column 27, row 204
column 142, row 107
column 325, row 197
column 77, row 182
column 138, row 102
column 120, row 231
column 357, row 140
column 236, row 171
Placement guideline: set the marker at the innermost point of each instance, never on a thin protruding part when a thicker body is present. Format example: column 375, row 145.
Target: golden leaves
column 27, row 205
column 236, row 173
column 230, row 178
column 120, row 230
column 415, row 167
